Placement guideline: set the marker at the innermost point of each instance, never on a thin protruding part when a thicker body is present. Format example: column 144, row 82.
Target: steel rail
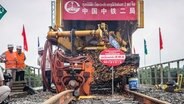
column 61, row 98
column 145, row 99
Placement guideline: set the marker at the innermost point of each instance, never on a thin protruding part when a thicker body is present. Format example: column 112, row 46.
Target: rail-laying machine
column 81, row 31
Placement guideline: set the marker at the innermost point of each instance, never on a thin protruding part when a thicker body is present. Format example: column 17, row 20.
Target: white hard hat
column 19, row 47
column 10, row 45
column 40, row 49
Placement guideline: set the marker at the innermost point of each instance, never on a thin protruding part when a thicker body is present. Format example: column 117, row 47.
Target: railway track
column 130, row 97
column 144, row 99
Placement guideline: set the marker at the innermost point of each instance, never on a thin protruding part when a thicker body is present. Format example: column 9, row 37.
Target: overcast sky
column 35, row 15
column 168, row 15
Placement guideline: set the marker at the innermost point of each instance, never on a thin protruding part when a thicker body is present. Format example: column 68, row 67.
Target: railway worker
column 40, row 53
column 4, row 90
column 9, row 58
column 20, row 64
column 47, row 67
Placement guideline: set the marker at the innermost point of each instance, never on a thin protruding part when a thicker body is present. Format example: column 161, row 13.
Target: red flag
column 160, row 39
column 24, row 39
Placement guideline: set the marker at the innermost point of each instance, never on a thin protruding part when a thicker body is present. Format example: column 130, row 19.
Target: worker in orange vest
column 9, row 58
column 20, row 64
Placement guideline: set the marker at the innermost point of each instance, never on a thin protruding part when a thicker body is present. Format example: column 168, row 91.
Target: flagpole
column 161, row 69
column 144, row 59
column 145, row 52
column 160, row 57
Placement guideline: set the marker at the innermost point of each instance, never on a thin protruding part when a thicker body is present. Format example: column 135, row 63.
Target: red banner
column 99, row 9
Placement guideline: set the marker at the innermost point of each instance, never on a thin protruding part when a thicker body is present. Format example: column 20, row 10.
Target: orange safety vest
column 10, row 60
column 20, row 60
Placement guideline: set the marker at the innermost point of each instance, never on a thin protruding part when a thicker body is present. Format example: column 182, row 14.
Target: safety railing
column 161, row 73
column 33, row 76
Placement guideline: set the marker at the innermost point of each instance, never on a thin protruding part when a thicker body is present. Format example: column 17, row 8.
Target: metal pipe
column 79, row 33
column 58, row 13
column 95, row 48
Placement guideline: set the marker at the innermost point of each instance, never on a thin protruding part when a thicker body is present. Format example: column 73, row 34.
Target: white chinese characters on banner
column 112, row 11
column 94, row 11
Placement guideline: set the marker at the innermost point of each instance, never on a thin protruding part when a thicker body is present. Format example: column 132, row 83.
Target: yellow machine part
column 178, row 84
column 86, row 97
